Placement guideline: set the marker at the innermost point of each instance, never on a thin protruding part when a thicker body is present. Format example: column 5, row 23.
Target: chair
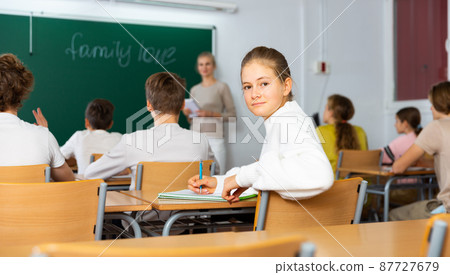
column 26, row 173
column 284, row 246
column 358, row 158
column 169, row 176
column 33, row 213
column 341, row 204
column 436, row 241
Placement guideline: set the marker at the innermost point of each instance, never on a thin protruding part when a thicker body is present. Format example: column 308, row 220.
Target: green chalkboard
column 75, row 61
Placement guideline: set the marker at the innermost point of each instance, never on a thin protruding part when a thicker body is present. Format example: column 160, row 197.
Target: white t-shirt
column 82, row 144
column 22, row 143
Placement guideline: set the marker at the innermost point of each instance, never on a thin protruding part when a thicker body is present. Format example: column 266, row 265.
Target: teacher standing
column 215, row 102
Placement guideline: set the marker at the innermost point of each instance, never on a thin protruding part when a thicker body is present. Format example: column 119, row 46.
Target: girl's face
column 400, row 126
column 205, row 66
column 264, row 93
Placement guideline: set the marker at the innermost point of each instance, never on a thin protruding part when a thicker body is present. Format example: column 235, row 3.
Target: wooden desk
column 118, row 202
column 191, row 207
column 384, row 190
column 389, row 239
column 382, row 171
column 386, row 239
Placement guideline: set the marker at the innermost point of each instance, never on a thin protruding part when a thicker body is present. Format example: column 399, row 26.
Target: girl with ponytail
column 339, row 134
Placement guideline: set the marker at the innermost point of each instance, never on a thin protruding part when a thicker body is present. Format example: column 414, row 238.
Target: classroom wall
column 353, row 47
column 359, row 49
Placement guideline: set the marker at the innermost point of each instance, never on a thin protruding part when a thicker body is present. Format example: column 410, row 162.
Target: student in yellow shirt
column 339, row 134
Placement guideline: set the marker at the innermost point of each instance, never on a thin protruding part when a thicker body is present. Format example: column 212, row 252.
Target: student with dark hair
column 95, row 139
column 166, row 141
column 433, row 140
column 407, row 122
column 339, row 134
column 22, row 143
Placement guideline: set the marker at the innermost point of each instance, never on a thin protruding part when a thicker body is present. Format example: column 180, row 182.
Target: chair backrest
column 33, row 213
column 282, row 246
column 26, row 173
column 341, row 204
column 95, row 157
column 358, row 158
column 436, row 240
column 168, row 176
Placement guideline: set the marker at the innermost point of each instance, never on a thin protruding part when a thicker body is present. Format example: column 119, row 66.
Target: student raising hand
column 208, row 184
column 40, row 119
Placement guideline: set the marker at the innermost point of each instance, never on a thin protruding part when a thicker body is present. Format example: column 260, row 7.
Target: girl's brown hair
column 412, row 116
column 16, row 82
column 343, row 111
column 440, row 97
column 273, row 59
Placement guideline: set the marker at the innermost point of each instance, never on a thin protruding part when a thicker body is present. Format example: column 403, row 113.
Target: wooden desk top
column 383, row 239
column 383, row 171
column 212, row 244
column 118, row 202
column 388, row 239
column 169, row 204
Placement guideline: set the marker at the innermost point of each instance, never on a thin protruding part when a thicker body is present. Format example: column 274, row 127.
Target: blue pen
column 200, row 173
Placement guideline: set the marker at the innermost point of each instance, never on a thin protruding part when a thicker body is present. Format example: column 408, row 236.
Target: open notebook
column 187, row 194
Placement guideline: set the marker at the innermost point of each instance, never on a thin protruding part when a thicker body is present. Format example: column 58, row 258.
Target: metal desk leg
column 133, row 223
column 213, row 212
column 262, row 211
column 387, row 188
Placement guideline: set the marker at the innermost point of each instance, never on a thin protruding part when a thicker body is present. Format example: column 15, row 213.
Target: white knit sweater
column 292, row 160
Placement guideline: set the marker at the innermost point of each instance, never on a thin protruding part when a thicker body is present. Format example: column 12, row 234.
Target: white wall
column 353, row 46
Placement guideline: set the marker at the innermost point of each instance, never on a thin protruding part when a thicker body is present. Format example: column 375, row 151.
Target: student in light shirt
column 292, row 161
column 22, row 143
column 95, row 139
column 165, row 142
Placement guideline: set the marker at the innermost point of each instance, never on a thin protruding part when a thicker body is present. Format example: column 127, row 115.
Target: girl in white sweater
column 292, row 161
